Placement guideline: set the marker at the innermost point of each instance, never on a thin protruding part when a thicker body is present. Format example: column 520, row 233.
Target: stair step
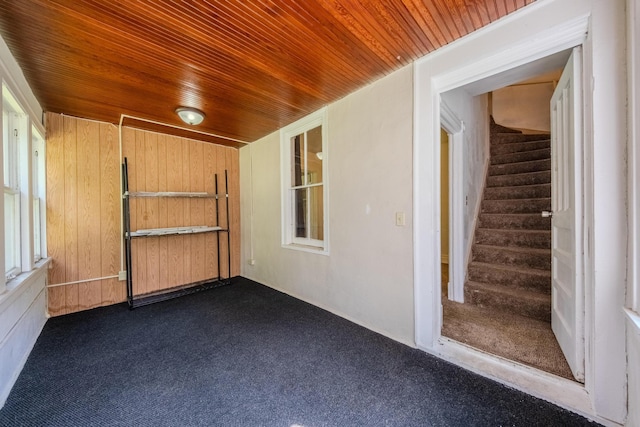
column 516, row 205
column 522, row 156
column 539, row 259
column 520, row 167
column 511, row 180
column 534, row 305
column 518, row 147
column 536, row 191
column 539, row 239
column 533, row 221
column 511, row 277
column 507, row 138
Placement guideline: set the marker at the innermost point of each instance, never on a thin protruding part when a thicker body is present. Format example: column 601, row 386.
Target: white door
column 567, row 297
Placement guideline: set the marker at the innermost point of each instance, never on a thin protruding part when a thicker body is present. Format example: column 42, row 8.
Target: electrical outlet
column 252, row 262
column 122, row 276
column 400, row 219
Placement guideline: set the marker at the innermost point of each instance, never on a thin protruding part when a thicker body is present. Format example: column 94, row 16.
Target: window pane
column 300, row 212
column 36, row 228
column 297, row 166
column 5, row 149
column 11, row 231
column 316, row 209
column 314, row 155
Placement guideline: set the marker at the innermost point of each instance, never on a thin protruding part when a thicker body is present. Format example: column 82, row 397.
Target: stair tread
column 521, row 200
column 544, row 184
column 544, row 171
column 519, row 153
column 518, row 214
column 521, row 163
column 505, row 290
column 508, row 230
column 520, row 249
column 514, row 269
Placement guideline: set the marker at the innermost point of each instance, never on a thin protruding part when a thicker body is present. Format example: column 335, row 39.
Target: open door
column 567, row 296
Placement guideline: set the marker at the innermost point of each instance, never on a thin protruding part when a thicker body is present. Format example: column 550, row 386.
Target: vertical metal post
column 226, row 190
column 217, row 225
column 127, row 231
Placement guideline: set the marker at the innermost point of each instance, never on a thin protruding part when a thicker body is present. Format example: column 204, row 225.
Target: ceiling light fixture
column 189, row 115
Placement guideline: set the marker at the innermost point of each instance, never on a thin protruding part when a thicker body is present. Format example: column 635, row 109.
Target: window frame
column 289, row 240
column 13, row 118
column 21, row 184
column 38, row 195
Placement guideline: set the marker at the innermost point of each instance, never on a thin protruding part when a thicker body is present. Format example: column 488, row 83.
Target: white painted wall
column 22, row 301
column 367, row 276
column 523, row 106
column 539, row 30
column 474, row 113
column 633, row 162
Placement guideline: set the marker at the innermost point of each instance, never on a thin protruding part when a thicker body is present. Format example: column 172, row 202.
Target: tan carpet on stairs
column 518, row 338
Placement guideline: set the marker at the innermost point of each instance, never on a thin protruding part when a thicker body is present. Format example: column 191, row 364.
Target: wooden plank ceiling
column 252, row 66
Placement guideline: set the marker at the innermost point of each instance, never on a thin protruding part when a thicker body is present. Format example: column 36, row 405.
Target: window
column 12, row 118
column 304, row 190
column 37, row 162
column 23, row 177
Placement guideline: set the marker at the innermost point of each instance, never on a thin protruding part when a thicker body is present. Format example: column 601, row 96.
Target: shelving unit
column 129, row 235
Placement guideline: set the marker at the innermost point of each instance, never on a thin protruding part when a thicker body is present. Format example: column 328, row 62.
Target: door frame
column 503, row 46
column 454, row 127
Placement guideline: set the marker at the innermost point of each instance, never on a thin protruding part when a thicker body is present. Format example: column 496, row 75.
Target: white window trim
column 11, row 274
column 28, row 264
column 319, row 118
column 633, row 64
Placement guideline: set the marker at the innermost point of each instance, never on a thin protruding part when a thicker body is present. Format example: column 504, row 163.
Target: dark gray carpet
column 246, row 355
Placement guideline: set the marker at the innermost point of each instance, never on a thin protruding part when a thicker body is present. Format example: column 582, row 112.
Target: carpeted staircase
column 510, row 268
column 507, row 308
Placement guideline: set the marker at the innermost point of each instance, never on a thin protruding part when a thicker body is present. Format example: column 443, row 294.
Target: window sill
column 634, row 319
column 305, row 248
column 22, row 281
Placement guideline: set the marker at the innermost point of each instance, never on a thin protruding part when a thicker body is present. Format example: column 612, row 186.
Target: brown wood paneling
column 83, row 210
column 186, row 208
column 139, row 213
column 163, row 205
column 88, row 213
column 151, row 210
column 196, row 178
column 211, row 246
column 247, row 65
column 55, row 211
column 71, row 212
column 112, row 290
column 175, row 214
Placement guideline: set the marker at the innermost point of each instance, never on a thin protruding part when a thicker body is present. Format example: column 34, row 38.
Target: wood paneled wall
column 83, row 211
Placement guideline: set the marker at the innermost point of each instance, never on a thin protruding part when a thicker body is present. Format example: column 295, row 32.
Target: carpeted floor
column 246, row 355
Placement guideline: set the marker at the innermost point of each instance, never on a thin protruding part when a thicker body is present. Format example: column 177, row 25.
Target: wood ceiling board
column 251, row 66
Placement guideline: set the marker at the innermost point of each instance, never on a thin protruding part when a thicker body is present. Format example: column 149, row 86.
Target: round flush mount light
column 189, row 115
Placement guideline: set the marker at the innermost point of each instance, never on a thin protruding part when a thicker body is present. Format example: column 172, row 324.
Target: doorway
column 507, row 292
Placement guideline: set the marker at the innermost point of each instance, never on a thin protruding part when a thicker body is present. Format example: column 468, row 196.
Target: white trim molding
column 289, row 241
column 455, row 128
